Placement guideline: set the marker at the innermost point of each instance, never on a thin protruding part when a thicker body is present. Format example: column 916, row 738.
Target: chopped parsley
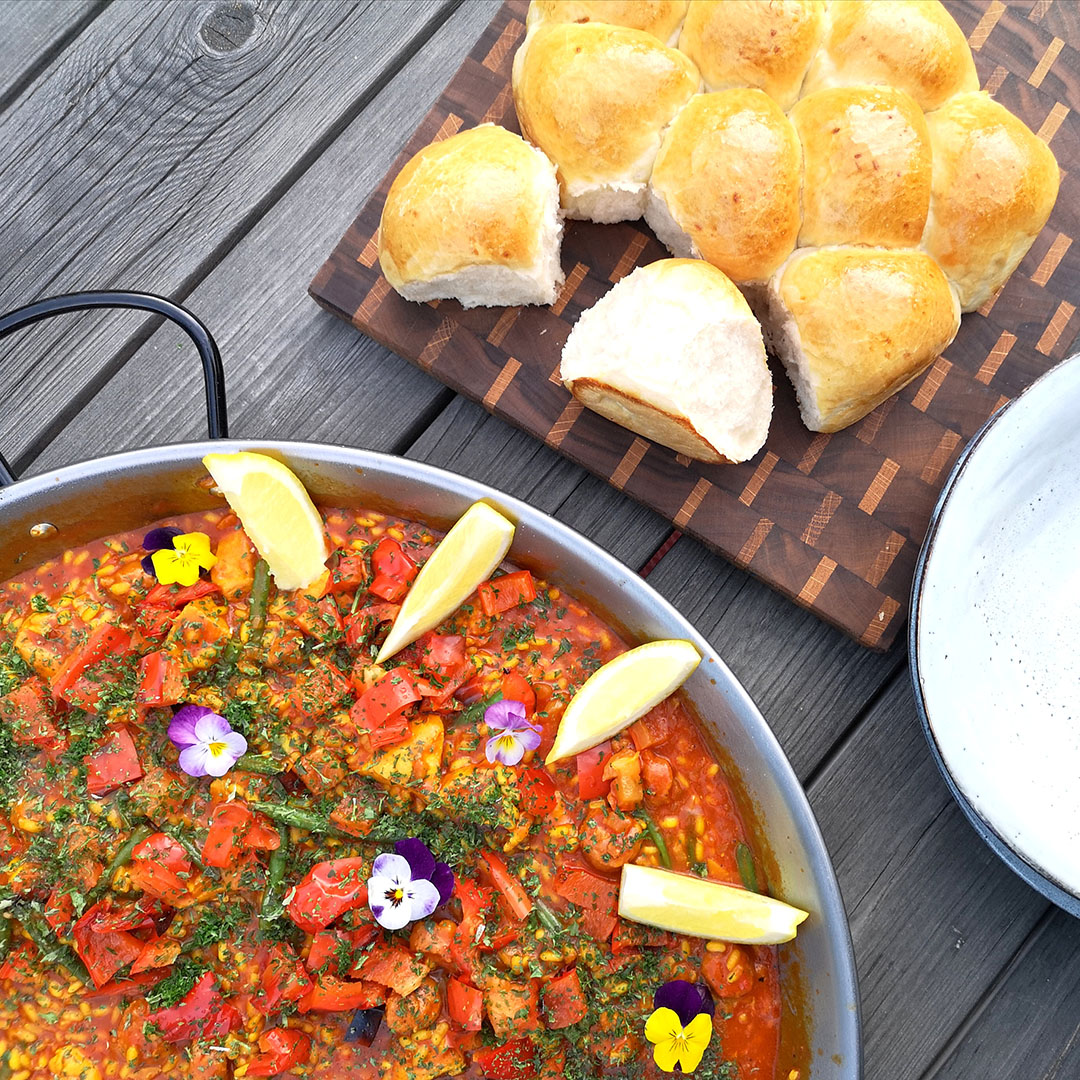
column 175, row 987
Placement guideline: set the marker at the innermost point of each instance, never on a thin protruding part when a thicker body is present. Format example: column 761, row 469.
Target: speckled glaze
column 995, row 619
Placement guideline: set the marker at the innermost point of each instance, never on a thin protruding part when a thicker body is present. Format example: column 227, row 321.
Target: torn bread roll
column 595, row 99
column 474, row 218
column 749, row 43
column 853, row 325
column 674, row 353
column 914, row 45
column 725, row 186
column 866, row 167
column 994, row 185
column 661, row 18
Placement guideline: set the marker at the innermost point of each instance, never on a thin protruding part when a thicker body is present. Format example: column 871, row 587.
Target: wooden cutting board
column 833, row 521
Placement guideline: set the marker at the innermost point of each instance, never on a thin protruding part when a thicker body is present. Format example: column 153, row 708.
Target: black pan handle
column 214, row 375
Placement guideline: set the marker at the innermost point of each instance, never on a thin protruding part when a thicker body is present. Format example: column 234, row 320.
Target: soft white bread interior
column 661, row 18
column 914, row 45
column 595, row 99
column 994, row 185
column 474, row 218
column 674, row 353
column 853, row 325
column 725, row 186
column 750, row 43
column 866, row 167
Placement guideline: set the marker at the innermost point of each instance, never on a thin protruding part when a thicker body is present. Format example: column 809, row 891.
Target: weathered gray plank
column 33, row 32
column 934, row 914
column 809, row 680
column 293, row 371
column 115, row 176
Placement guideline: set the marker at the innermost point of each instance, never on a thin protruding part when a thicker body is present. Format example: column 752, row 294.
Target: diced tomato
column 350, row 574
column 161, row 680
column 598, row 898
column 225, row 840
column 440, row 664
column 564, row 1003
column 378, row 712
column 283, row 979
column 512, row 891
column 27, row 713
column 506, row 592
column 113, row 763
column 153, row 622
column 516, row 687
column 330, row 889
column 590, row 771
column 392, row 966
column 201, row 1013
column 115, row 914
column 361, row 624
column 103, row 952
column 515, row 1060
column 105, row 640
column 176, row 597
column 537, row 792
column 465, row 1004
column 330, row 994
column 282, row 1048
column 394, row 571
column 159, row 881
column 59, row 910
column 163, row 849
column 158, row 953
column 262, row 836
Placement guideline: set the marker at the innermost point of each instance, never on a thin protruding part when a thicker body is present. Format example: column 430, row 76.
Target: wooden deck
column 201, row 150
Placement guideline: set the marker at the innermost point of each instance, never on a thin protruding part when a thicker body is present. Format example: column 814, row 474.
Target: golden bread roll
column 914, row 45
column 994, row 185
column 725, row 186
column 674, row 353
column 474, row 218
column 661, row 18
column 595, row 99
column 866, row 167
column 766, row 44
column 853, row 325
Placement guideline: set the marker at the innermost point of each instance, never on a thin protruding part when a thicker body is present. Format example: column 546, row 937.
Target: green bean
column 298, row 816
column 121, row 858
column 5, row 935
column 271, row 906
column 260, row 597
column 745, row 861
column 260, row 763
column 548, row 919
column 52, row 951
column 656, row 837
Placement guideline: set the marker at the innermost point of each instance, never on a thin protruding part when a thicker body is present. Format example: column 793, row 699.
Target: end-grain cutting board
column 833, row 521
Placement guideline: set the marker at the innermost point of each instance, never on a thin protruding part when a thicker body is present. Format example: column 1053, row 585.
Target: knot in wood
column 228, row 26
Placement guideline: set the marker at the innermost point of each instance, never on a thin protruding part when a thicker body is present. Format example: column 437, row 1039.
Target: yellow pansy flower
column 180, row 564
column 674, row 1044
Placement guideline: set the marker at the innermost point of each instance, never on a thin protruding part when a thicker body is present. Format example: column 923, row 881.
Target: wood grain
column 847, row 514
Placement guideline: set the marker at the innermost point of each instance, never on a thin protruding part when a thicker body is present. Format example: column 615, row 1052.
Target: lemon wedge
column 465, row 557
column 620, row 692
column 277, row 514
column 705, row 909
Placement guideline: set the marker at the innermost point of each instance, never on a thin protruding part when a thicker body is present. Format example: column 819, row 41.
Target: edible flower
column 180, row 564
column 160, row 539
column 513, row 733
column 207, row 743
column 407, row 885
column 680, row 1027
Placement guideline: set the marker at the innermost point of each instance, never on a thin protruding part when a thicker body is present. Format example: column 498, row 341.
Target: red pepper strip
column 154, row 622
column 160, row 882
column 515, row 1060
column 114, row 914
column 225, row 839
column 598, row 898
column 516, row 687
column 360, row 625
column 161, row 680
column 283, row 979
column 262, row 836
column 503, row 593
column 103, row 953
column 330, row 889
column 537, row 792
column 590, row 771
column 59, row 910
column 335, row 995
column 465, row 1004
column 512, row 891
column 380, row 706
column 113, row 763
column 159, row 953
column 164, row 850
column 282, row 1049
column 564, row 1003
column 104, row 641
column 169, row 596
column 394, row 571
column 26, row 712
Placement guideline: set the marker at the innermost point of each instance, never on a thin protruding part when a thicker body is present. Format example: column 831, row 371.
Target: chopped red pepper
column 515, row 1060
column 27, row 714
column 537, row 792
column 512, row 891
column 440, row 663
column 282, row 1048
column 169, row 596
column 349, row 575
column 225, row 839
column 330, row 994
column 283, row 978
column 394, row 571
column 361, row 624
column 103, row 952
column 379, row 711
column 598, row 898
column 113, row 763
column 465, row 1004
column 564, row 1003
column 201, row 1013
column 161, row 952
column 503, row 593
column 161, row 680
column 162, row 848
column 590, row 771
column 330, row 889
column 159, row 881
column 106, row 640
column 59, row 910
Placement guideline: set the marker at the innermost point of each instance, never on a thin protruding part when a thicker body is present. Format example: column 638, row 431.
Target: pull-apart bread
column 474, row 218
column 674, row 353
column 661, row 18
column 595, row 99
column 748, row 43
column 725, row 186
column 852, row 325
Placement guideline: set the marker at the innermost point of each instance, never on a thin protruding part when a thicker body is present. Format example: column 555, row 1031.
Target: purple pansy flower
column 423, row 864
column 686, row 999
column 395, row 897
column 513, row 733
column 160, row 539
column 208, row 745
